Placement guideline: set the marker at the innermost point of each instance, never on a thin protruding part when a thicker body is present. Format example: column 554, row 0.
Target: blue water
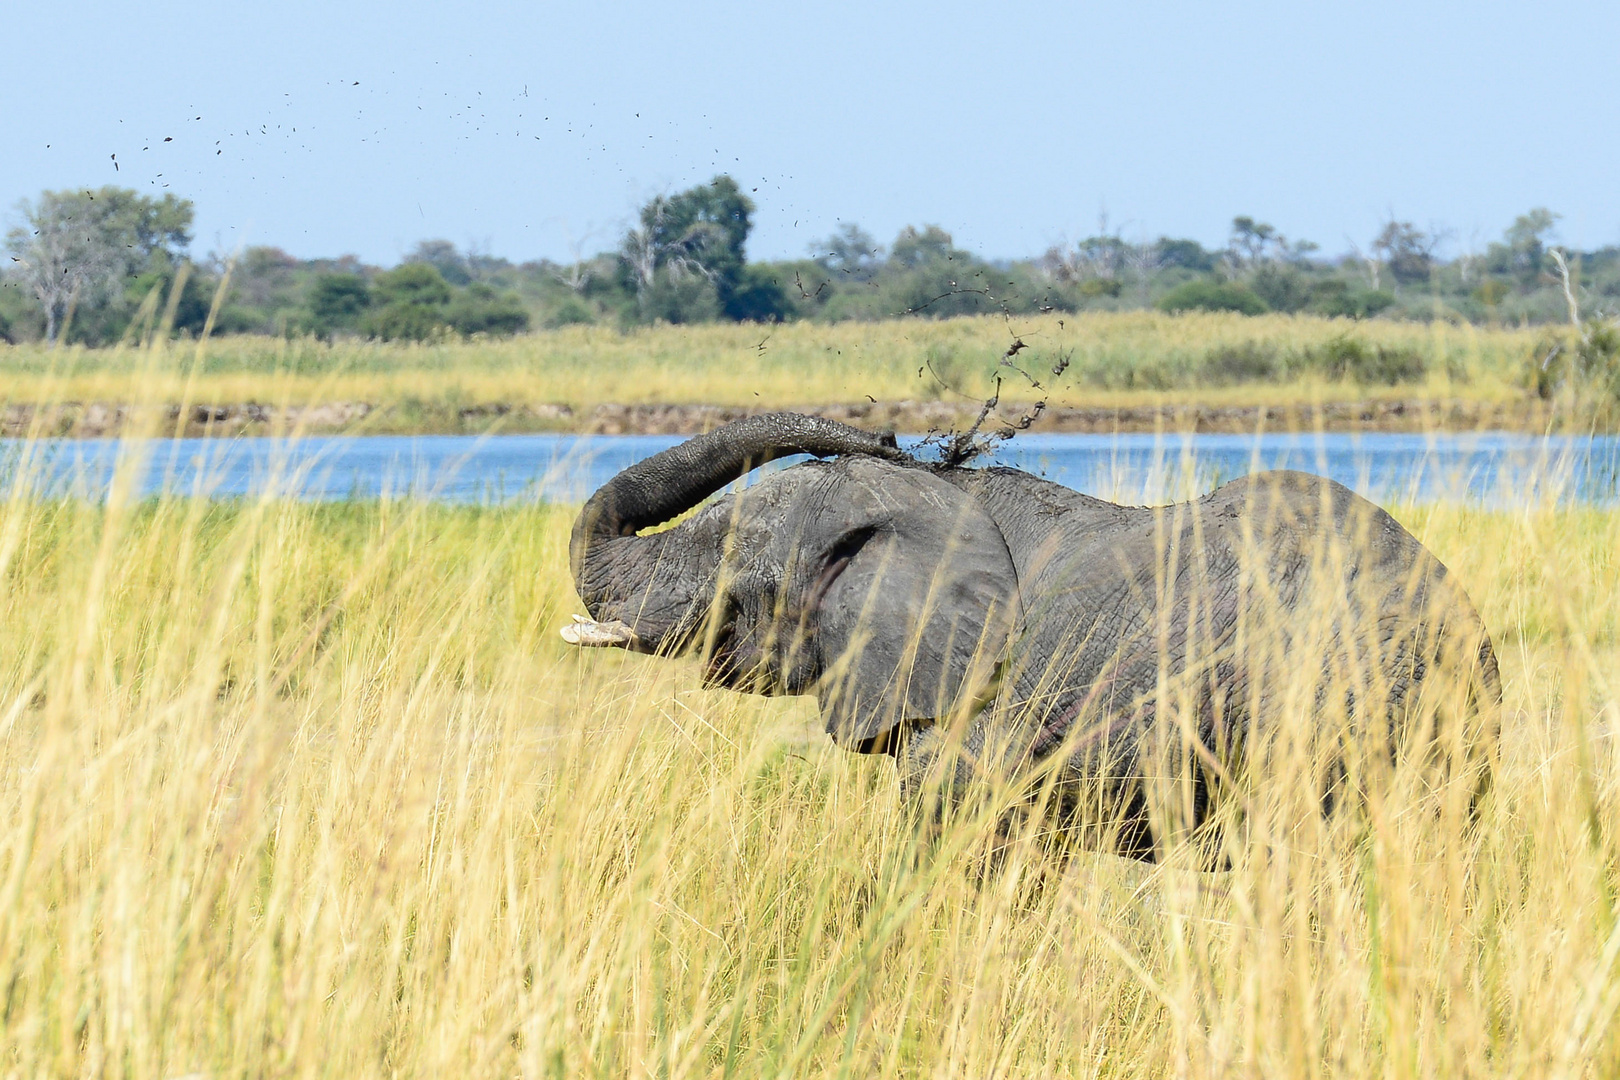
column 1493, row 468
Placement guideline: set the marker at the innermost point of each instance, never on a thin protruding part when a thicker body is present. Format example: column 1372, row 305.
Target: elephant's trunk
column 615, row 568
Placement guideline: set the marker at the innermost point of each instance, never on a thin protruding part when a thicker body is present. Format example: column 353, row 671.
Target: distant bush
column 238, row 319
column 1100, row 286
column 1250, row 361
column 758, row 296
column 337, row 301
column 1213, row 296
column 1336, row 297
column 1589, row 368
column 413, row 303
column 1280, row 286
column 479, row 309
column 571, row 312
column 1187, row 254
column 680, row 299
column 1353, row 360
column 403, row 321
column 1598, row 359
column 413, row 283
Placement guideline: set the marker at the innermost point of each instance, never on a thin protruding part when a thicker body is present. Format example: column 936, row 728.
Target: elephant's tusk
column 597, row 635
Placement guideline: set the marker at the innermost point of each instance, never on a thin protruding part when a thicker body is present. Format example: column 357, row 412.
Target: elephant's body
column 976, row 621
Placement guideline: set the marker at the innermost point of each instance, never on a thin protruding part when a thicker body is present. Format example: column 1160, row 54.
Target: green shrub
column 680, row 299
column 403, row 320
column 479, row 309
column 1336, row 297
column 571, row 312
column 1353, row 360
column 337, row 301
column 410, row 302
column 1281, row 287
column 1598, row 357
column 1213, row 296
column 758, row 297
column 1250, row 361
column 1591, row 365
column 413, row 283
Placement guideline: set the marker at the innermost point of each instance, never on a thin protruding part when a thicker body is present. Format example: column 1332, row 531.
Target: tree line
column 104, row 265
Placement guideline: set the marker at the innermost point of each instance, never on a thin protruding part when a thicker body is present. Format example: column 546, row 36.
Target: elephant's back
column 1312, row 517
column 1332, row 553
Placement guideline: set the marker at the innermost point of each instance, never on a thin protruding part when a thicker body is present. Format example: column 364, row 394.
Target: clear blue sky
column 529, row 128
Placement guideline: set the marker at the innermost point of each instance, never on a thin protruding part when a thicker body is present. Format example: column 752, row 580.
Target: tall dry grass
column 1115, row 359
column 315, row 790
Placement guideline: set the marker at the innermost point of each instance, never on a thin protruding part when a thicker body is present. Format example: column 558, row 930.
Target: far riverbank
column 105, row 420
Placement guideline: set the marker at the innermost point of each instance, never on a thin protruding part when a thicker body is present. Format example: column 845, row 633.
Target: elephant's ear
column 915, row 609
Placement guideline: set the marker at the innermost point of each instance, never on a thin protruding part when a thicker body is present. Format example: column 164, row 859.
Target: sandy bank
column 101, row 419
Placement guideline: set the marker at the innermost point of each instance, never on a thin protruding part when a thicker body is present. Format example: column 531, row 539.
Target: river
column 1491, row 468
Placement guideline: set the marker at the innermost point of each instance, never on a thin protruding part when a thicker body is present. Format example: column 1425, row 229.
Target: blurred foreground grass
column 315, row 790
column 1114, row 360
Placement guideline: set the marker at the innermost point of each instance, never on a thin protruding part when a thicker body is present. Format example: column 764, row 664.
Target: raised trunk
column 608, row 565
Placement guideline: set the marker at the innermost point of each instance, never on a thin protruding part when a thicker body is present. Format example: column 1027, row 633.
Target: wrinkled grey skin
column 983, row 621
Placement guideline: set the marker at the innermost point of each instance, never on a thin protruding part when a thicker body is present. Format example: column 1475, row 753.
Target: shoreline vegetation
column 1100, row 372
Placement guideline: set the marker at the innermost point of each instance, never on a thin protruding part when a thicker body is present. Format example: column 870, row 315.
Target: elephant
column 978, row 623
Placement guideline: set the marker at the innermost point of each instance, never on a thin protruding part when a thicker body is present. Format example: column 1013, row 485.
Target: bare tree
column 640, row 251
column 1407, row 250
column 1557, row 255
column 1374, row 267
column 63, row 255
column 1251, row 242
column 577, row 274
column 1143, row 259
column 1469, row 260
column 648, row 248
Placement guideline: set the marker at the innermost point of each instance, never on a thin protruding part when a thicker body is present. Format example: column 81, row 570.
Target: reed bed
column 1113, row 359
column 291, row 789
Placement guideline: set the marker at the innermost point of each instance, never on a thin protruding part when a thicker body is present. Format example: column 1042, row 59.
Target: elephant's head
column 868, row 580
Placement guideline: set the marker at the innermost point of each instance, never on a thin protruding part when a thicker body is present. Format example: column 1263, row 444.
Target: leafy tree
column 442, row 255
column 1280, row 286
column 932, row 244
column 63, row 257
column 850, row 253
column 1526, row 241
column 695, row 234
column 337, row 302
column 927, row 274
column 190, row 307
column 412, row 302
column 1337, row 297
column 1213, row 296
column 409, row 302
column 412, row 283
column 1407, row 250
column 679, row 297
column 7, row 334
column 571, row 312
column 1255, row 242
column 759, row 297
column 1187, row 254
column 1250, row 241
column 480, row 309
column 77, row 248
